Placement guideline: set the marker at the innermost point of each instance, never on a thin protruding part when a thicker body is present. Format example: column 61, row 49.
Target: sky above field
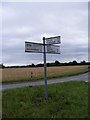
column 32, row 21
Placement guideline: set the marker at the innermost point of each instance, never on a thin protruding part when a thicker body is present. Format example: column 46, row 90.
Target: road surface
column 83, row 77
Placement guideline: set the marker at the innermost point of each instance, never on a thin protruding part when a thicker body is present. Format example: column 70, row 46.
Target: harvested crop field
column 22, row 74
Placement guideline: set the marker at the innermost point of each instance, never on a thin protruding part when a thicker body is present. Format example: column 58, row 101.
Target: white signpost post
column 46, row 47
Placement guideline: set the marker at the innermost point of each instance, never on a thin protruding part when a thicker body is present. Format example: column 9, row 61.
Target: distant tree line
column 56, row 63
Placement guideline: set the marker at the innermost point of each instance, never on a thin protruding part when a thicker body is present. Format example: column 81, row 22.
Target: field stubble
column 22, row 74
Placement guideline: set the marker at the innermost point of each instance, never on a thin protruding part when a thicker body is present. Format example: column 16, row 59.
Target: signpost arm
column 45, row 72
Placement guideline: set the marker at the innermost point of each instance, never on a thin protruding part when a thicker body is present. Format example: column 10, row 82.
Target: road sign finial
column 43, row 38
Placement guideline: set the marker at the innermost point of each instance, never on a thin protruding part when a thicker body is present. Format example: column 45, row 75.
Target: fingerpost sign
column 46, row 47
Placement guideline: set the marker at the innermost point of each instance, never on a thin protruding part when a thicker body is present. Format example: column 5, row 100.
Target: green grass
column 50, row 76
column 65, row 100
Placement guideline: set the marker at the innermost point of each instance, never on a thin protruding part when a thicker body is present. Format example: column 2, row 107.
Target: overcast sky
column 32, row 21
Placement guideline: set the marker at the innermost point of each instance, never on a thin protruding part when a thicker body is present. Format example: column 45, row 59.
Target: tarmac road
column 83, row 77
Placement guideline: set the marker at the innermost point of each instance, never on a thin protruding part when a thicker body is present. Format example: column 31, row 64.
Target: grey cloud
column 31, row 21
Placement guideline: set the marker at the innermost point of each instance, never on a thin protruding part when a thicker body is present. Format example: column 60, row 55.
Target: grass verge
column 65, row 100
column 49, row 76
